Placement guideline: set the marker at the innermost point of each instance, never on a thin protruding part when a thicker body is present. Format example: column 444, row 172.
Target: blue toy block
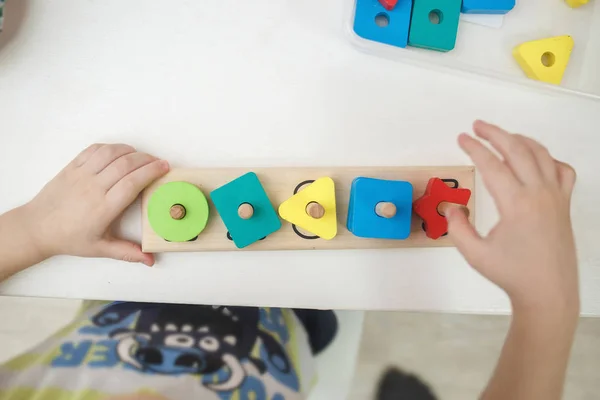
column 395, row 33
column 487, row 6
column 245, row 189
column 434, row 24
column 365, row 194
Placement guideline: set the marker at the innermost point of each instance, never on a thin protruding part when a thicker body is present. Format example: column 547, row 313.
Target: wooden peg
column 245, row 211
column 315, row 210
column 385, row 209
column 444, row 206
column 177, row 211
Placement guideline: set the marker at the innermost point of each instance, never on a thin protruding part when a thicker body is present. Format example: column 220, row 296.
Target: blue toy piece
column 366, row 194
column 373, row 22
column 434, row 24
column 245, row 189
column 487, row 6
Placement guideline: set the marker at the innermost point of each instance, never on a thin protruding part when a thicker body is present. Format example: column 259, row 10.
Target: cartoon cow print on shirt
column 187, row 339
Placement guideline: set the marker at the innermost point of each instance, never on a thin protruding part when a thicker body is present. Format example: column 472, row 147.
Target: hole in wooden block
column 302, row 184
column 382, row 20
column 450, row 182
column 436, row 17
column 548, row 59
column 304, row 235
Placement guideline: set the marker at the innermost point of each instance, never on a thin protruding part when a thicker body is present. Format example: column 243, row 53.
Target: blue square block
column 365, row 194
column 487, row 6
column 395, row 33
column 245, row 189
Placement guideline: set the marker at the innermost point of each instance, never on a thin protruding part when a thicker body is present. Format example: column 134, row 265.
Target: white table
column 261, row 83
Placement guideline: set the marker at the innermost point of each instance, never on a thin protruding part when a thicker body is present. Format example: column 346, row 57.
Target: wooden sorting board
column 279, row 183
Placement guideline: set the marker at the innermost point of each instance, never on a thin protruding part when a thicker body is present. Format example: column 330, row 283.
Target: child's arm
column 530, row 254
column 74, row 212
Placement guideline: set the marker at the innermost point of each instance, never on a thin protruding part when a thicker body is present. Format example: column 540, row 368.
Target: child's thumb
column 464, row 236
column 127, row 251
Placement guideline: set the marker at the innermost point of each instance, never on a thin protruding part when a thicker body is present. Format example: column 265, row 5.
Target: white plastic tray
column 487, row 51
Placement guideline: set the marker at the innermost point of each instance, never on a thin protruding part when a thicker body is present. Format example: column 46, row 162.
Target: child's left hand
column 73, row 213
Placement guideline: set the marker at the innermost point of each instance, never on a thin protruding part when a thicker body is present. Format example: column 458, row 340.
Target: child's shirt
column 177, row 351
column 1, row 14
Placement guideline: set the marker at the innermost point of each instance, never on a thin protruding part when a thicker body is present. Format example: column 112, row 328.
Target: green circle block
column 196, row 211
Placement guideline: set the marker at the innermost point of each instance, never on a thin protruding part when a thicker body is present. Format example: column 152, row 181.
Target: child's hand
column 530, row 253
column 73, row 213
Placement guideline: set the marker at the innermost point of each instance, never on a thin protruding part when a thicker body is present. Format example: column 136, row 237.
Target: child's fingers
column 543, row 158
column 566, row 176
column 464, row 236
column 124, row 192
column 514, row 151
column 122, row 167
column 496, row 175
column 105, row 155
column 85, row 155
column 125, row 251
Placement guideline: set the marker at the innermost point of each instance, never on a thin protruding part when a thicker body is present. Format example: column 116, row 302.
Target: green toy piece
column 434, row 24
column 178, row 211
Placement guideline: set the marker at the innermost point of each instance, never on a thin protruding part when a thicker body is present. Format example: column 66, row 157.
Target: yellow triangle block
column 546, row 59
column 576, row 3
column 321, row 191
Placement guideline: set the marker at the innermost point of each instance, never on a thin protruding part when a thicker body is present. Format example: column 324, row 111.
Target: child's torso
column 178, row 351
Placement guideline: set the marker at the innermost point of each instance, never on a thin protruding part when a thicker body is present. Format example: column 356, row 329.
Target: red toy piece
column 388, row 4
column 426, row 206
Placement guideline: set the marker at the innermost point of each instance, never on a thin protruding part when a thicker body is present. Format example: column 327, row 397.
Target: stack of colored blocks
column 433, row 25
column 377, row 209
column 428, row 24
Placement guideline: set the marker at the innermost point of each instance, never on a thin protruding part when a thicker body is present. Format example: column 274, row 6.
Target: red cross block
column 426, row 206
column 388, row 4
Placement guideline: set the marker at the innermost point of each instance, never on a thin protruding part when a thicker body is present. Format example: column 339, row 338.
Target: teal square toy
column 363, row 220
column 245, row 189
column 434, row 24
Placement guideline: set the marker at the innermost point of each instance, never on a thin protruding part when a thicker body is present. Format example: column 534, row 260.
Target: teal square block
column 434, row 24
column 245, row 189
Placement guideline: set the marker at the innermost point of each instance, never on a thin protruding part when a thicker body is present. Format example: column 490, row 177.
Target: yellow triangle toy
column 576, row 3
column 545, row 59
column 313, row 209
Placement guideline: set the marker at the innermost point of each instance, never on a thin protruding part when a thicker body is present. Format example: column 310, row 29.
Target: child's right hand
column 530, row 253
